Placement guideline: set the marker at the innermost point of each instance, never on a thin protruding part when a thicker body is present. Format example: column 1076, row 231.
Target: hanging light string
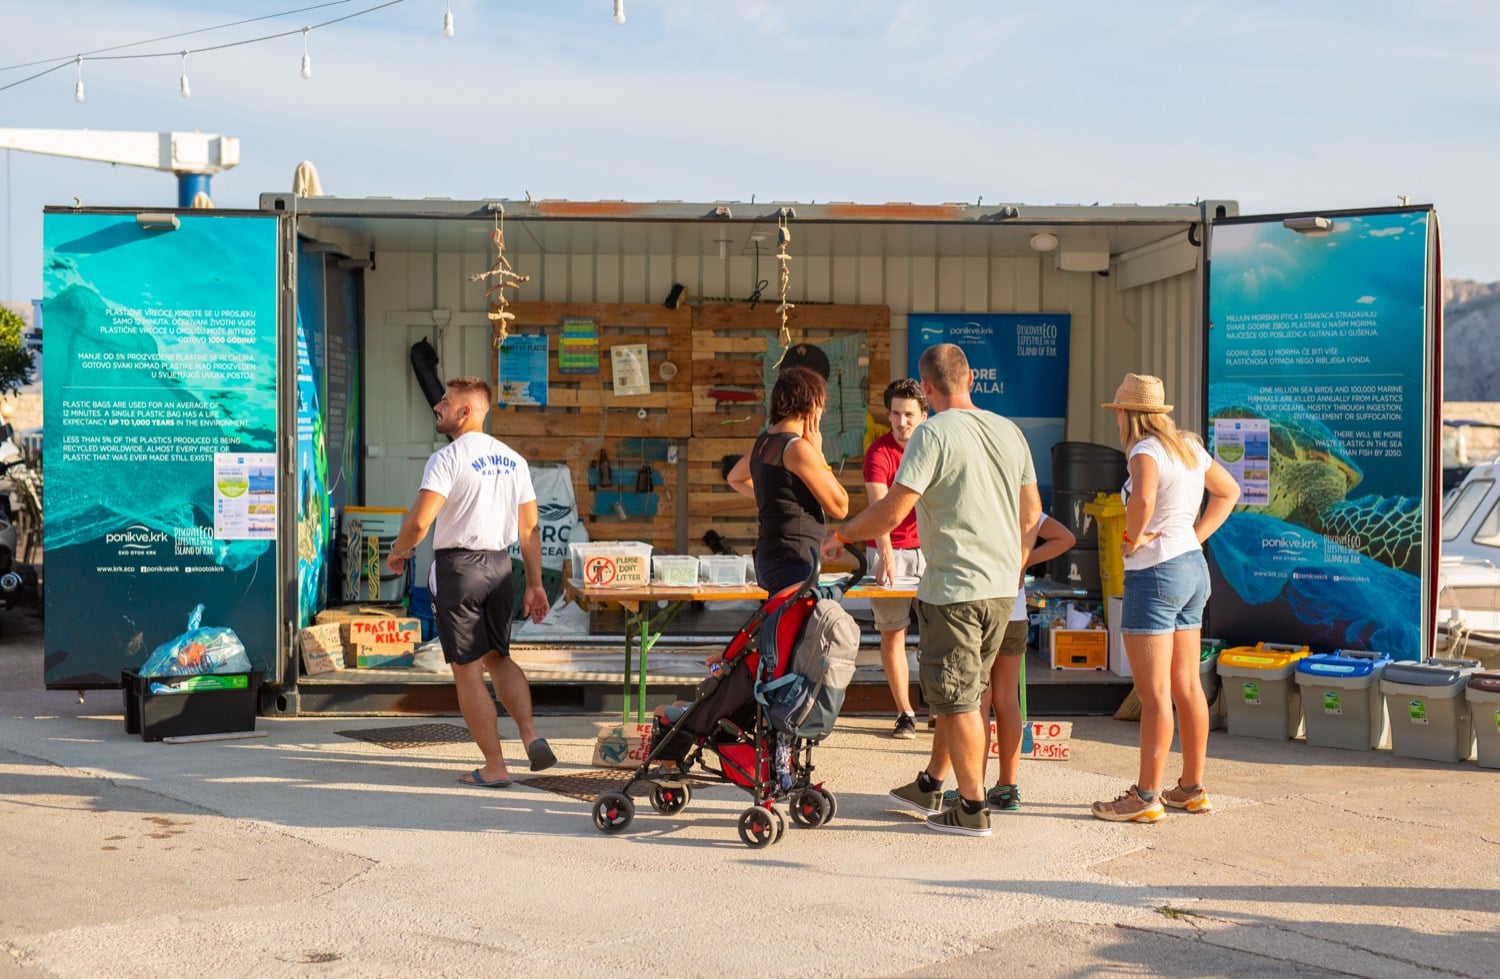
column 214, row 47
column 173, row 37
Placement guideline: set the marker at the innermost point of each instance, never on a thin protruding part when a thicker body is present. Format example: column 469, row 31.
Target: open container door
column 162, row 406
column 1324, row 390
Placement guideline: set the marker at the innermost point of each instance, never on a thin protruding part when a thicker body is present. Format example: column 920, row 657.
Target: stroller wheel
column 833, row 805
column 667, row 799
column 613, row 811
column 810, row 808
column 758, row 827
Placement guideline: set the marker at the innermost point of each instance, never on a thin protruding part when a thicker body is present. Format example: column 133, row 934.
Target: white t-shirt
column 484, row 483
column 1019, row 613
column 1179, row 497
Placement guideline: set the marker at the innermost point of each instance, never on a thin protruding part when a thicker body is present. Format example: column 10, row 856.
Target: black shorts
column 474, row 603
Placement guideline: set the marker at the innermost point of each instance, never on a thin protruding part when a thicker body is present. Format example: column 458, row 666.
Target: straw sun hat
column 1140, row 392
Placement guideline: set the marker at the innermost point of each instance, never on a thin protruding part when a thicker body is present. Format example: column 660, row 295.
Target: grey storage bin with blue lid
column 1483, row 695
column 1342, row 706
column 1429, row 712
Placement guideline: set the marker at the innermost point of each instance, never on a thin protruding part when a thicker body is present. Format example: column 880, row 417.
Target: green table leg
column 1025, row 720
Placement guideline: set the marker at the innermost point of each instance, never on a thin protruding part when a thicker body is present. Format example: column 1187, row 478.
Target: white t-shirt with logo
column 484, row 482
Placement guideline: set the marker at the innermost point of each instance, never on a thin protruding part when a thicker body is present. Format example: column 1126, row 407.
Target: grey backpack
column 805, row 701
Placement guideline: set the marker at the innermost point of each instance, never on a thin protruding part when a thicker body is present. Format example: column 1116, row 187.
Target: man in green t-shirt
column 968, row 473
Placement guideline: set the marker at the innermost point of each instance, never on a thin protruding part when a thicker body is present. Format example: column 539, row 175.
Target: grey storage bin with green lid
column 1483, row 695
column 1341, row 701
column 1428, row 710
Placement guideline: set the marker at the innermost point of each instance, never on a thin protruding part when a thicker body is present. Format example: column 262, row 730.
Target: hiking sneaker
column 1193, row 800
column 906, row 728
column 955, row 820
column 1130, row 808
column 911, row 796
column 1006, row 798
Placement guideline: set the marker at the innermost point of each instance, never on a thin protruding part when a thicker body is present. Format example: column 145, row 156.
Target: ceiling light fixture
column 1044, row 241
column 182, row 83
column 306, row 58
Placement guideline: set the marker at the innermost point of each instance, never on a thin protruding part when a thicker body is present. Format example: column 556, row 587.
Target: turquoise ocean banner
column 1318, row 356
column 160, row 453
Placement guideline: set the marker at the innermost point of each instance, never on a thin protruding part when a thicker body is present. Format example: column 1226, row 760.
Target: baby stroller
column 754, row 722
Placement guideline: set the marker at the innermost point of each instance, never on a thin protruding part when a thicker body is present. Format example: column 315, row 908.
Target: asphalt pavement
column 307, row 852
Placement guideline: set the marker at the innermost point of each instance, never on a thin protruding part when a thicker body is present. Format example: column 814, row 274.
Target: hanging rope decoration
column 783, row 241
column 505, row 276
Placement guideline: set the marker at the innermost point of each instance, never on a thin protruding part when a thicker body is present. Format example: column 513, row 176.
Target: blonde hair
column 1136, row 426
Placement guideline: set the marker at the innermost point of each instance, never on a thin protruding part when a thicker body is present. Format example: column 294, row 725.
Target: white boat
column 1468, row 619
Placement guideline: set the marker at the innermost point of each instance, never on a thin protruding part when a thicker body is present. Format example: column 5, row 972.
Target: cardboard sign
column 622, row 745
column 616, row 569
column 322, row 648
column 1049, row 740
column 373, row 630
column 380, row 655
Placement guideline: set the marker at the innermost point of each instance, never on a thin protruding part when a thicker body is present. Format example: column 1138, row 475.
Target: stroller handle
column 861, row 565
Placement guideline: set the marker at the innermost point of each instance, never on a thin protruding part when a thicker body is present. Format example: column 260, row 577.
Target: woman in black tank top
column 793, row 486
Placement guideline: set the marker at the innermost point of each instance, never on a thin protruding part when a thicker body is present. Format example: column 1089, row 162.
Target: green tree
column 15, row 359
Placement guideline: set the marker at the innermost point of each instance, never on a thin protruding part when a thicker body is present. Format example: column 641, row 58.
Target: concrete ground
column 307, row 853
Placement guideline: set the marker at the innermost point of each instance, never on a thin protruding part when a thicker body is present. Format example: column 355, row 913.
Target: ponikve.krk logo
column 137, row 539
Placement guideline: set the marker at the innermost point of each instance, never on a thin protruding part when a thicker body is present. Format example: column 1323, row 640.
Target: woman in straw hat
column 1166, row 587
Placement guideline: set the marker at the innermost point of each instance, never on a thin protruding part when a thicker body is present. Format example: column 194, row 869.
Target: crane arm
column 179, row 153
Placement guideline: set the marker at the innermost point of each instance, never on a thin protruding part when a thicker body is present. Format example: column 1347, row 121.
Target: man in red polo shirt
column 895, row 555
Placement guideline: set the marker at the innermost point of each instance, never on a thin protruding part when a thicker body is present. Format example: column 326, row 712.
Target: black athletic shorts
column 473, row 604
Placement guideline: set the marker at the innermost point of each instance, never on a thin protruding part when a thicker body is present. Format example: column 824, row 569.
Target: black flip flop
column 476, row 779
column 541, row 755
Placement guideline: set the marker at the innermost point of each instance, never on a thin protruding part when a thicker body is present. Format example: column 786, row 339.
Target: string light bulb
column 182, row 83
column 306, row 58
column 78, row 88
column 619, row 11
column 448, row 20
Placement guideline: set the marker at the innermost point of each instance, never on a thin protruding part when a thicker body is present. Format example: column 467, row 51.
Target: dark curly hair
column 798, row 391
column 906, row 387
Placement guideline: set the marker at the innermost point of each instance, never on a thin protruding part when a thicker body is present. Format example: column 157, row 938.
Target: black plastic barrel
column 1081, row 471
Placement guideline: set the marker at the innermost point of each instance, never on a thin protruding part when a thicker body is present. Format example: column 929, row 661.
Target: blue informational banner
column 1020, row 362
column 161, row 421
column 1319, row 352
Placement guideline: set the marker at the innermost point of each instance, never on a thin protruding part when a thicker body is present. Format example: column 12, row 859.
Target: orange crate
column 1079, row 649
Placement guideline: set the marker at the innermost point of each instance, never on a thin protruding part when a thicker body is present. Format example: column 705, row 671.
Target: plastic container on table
column 1429, row 711
column 1262, row 701
column 1341, row 700
column 722, row 569
column 1483, row 695
column 675, row 569
column 611, row 563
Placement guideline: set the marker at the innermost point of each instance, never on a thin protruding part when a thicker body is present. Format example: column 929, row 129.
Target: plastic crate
column 203, row 704
column 675, row 569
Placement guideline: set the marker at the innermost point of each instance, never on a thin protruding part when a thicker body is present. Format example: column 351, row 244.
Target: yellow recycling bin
column 1109, row 510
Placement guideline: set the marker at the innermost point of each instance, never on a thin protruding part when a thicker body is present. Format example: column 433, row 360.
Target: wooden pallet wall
column 711, row 345
column 729, row 347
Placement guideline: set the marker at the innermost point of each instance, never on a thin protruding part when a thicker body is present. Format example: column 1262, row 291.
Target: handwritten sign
column 1049, row 740
column 379, row 629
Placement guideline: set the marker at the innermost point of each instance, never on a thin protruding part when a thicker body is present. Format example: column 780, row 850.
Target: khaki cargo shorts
column 959, row 645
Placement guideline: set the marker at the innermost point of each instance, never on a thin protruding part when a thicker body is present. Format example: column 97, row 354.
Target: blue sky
column 1281, row 106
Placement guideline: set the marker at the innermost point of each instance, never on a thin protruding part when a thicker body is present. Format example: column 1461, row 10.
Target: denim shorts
column 1167, row 597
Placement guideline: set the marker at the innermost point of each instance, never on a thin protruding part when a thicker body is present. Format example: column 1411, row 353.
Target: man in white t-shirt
column 477, row 495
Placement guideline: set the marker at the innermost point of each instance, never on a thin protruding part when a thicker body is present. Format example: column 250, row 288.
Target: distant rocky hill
column 1471, row 340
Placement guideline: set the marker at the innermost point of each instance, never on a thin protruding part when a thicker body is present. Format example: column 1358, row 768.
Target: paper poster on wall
column 631, row 369
column 161, row 375
column 521, row 365
column 578, row 347
column 1020, row 364
column 1318, row 360
column 1243, row 447
column 245, row 495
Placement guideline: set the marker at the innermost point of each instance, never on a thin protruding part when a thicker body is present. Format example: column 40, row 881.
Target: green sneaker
column 1006, row 798
column 911, row 796
column 955, row 820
